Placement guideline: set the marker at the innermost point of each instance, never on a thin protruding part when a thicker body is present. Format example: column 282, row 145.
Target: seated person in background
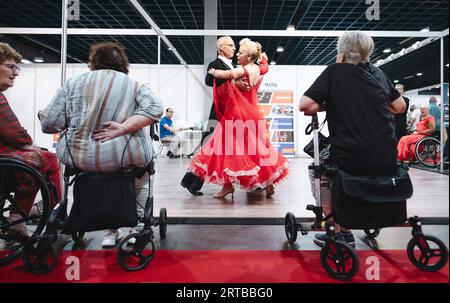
column 99, row 111
column 425, row 127
column 16, row 143
column 168, row 133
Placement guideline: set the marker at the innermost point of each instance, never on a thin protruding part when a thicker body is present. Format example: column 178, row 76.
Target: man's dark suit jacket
column 220, row 65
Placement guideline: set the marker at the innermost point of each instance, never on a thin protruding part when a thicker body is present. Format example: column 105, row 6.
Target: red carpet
column 170, row 266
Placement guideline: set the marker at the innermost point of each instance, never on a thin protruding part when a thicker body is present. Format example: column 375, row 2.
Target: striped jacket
column 88, row 100
column 13, row 137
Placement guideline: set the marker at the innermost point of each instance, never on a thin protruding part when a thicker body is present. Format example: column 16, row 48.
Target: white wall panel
column 173, row 92
column 48, row 80
column 306, row 75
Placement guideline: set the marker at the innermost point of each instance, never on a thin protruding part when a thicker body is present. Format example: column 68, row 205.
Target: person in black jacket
column 400, row 119
column 225, row 51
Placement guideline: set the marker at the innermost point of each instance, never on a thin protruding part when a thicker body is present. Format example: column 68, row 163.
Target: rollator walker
column 39, row 252
column 337, row 258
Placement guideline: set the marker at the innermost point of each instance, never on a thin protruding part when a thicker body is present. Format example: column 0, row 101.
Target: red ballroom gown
column 239, row 150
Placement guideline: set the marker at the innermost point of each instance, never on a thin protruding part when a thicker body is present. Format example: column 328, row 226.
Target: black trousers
column 190, row 180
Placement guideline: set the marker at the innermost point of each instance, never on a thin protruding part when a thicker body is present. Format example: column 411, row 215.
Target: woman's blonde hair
column 250, row 48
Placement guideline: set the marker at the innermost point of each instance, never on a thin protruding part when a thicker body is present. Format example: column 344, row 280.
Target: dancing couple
column 239, row 151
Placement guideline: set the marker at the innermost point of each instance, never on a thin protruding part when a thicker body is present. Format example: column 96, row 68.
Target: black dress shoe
column 192, row 191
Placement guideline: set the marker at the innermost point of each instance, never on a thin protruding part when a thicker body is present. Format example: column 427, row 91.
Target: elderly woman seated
column 425, row 127
column 99, row 111
column 16, row 143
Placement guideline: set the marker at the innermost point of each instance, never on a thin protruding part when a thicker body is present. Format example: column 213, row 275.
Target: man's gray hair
column 220, row 41
column 356, row 47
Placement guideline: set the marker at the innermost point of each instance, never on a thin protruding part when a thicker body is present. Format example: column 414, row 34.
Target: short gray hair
column 356, row 47
column 221, row 40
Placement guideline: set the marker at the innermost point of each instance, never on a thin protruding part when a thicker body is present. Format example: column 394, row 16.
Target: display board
column 278, row 110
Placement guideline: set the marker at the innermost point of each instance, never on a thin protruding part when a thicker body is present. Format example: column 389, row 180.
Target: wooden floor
column 430, row 199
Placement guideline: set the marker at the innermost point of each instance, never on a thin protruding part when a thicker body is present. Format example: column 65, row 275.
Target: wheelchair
column 39, row 252
column 14, row 244
column 427, row 151
column 337, row 258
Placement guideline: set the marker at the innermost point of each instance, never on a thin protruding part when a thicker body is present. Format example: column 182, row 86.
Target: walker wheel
column 372, row 233
column 427, row 253
column 339, row 260
column 162, row 223
column 39, row 260
column 290, row 227
column 137, row 256
column 77, row 235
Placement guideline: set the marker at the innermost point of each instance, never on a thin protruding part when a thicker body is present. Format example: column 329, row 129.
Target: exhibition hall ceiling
column 398, row 15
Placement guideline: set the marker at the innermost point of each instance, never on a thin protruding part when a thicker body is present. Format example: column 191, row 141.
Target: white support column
column 64, row 42
column 210, row 51
column 442, row 130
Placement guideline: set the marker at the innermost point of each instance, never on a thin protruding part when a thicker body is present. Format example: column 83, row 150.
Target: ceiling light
column 273, row 63
column 446, row 65
column 425, row 30
column 38, row 59
column 419, row 74
column 396, row 81
column 290, row 28
column 387, row 50
column 280, row 49
column 25, row 61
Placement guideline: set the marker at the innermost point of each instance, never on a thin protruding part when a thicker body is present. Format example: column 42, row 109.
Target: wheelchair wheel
column 372, row 233
column 339, row 260
column 290, row 227
column 427, row 253
column 162, row 223
column 139, row 255
column 16, row 232
column 77, row 236
column 428, row 152
column 40, row 258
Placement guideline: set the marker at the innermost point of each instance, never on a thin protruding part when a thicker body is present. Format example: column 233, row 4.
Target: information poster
column 278, row 110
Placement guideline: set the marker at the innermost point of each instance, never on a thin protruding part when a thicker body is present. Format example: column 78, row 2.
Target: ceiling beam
column 210, row 32
column 156, row 29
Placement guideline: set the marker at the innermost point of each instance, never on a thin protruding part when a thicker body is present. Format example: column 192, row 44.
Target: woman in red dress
column 239, row 150
column 425, row 127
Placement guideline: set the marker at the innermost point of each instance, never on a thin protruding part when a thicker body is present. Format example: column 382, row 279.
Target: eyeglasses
column 13, row 67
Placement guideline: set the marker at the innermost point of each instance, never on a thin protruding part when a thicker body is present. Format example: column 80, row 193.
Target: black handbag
column 102, row 200
column 324, row 146
column 364, row 202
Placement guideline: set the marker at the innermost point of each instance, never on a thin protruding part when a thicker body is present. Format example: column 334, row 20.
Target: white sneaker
column 131, row 241
column 111, row 237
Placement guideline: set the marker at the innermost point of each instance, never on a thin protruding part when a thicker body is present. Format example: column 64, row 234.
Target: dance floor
column 430, row 198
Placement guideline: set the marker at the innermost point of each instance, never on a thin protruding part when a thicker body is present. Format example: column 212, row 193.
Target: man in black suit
column 400, row 119
column 225, row 50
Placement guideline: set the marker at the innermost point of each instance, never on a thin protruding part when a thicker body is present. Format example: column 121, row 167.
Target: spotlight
column 290, row 28
column 425, row 30
column 25, row 61
column 280, row 49
column 38, row 59
column 273, row 63
column 396, row 81
column 387, row 51
column 419, row 74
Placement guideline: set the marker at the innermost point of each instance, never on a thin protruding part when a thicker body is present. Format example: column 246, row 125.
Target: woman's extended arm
column 227, row 74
